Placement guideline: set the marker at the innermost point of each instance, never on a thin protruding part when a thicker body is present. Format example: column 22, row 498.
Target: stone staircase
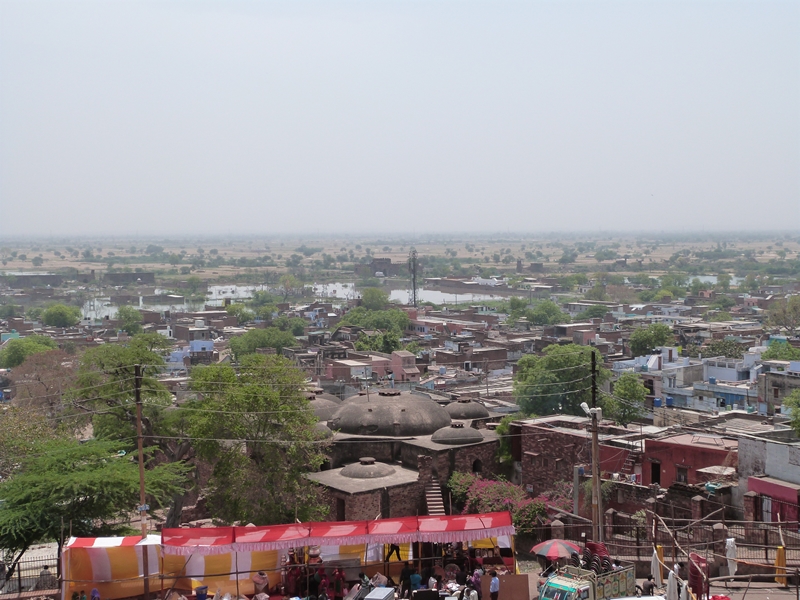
column 434, row 500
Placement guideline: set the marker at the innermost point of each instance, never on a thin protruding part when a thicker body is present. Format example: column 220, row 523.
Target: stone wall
column 407, row 500
column 348, row 452
column 549, row 456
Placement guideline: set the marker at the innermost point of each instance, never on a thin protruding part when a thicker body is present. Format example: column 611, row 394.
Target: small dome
column 466, row 409
column 323, row 430
column 331, row 397
column 457, row 435
column 323, row 408
column 389, row 413
column 367, row 468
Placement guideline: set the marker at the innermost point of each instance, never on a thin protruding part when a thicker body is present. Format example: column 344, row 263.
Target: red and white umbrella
column 555, row 549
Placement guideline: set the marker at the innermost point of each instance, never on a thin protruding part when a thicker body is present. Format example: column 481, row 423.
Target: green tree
column 88, row 485
column 289, row 285
column 61, row 315
column 626, row 405
column 785, row 313
column 726, row 348
column 386, row 320
column 459, row 484
column 105, row 391
column 718, row 316
column 374, row 299
column 697, row 286
column 16, row 351
column 781, row 351
column 262, row 298
column 724, row 281
column 597, row 311
column 546, row 313
column 598, row 292
column 558, row 381
column 271, row 337
column 503, row 431
column 645, row 339
column 130, row 320
column 295, row 325
column 21, row 429
column 793, row 402
column 193, row 284
column 243, row 314
column 8, row 311
column 258, row 430
column 383, row 342
column 37, row 261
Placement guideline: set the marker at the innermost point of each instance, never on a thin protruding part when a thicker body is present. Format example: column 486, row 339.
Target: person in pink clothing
column 476, row 582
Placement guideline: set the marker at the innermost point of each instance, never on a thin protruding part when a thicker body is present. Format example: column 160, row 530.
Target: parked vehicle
column 575, row 583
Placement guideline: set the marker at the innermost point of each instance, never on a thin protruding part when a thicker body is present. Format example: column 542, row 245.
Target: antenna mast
column 412, row 268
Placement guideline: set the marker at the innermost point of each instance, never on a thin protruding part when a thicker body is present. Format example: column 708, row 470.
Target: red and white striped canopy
column 442, row 529
column 114, row 542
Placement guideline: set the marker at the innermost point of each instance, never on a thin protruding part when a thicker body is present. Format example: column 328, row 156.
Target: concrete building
column 777, row 379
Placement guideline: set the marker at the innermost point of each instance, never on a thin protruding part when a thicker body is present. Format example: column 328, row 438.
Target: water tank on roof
column 670, row 401
column 712, row 380
column 442, row 370
column 657, row 402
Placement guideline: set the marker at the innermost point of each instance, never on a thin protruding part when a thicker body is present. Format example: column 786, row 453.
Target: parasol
column 555, row 549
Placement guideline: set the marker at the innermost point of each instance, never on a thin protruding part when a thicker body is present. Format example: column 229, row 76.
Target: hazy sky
column 202, row 117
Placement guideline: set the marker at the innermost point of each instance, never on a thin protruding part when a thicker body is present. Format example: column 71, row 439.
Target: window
column 683, row 475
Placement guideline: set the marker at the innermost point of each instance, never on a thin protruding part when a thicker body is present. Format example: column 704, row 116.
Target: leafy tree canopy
column 645, row 339
column 61, row 315
column 546, row 313
column 557, row 381
column 130, row 320
column 243, row 314
column 785, row 313
column 626, row 405
column 373, row 298
column 386, row 320
column 597, row 311
column 295, row 325
column 271, row 337
column 793, row 402
column 106, row 384
column 726, row 348
column 383, row 342
column 16, row 351
column 258, row 430
column 781, row 351
column 87, row 485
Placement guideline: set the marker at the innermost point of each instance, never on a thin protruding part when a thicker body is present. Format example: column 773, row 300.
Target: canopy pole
column 236, row 564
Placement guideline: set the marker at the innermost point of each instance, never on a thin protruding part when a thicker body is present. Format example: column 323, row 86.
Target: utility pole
column 597, row 514
column 137, row 383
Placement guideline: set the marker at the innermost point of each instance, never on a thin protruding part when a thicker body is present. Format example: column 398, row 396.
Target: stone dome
column 367, row 468
column 323, row 408
column 333, row 398
column 323, row 430
column 457, row 435
column 389, row 413
column 466, row 409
